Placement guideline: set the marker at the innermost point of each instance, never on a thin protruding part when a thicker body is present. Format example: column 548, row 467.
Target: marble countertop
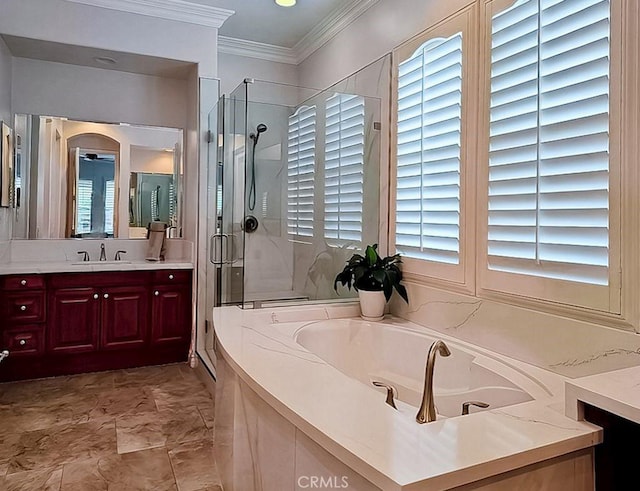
column 89, row 266
column 617, row 392
column 386, row 446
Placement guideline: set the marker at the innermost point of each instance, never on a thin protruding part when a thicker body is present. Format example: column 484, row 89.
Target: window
column 548, row 203
column 109, row 202
column 85, row 198
column 301, row 170
column 509, row 157
column 428, row 151
column 344, row 168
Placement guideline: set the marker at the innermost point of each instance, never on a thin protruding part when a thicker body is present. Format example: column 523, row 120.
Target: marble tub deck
column 141, row 429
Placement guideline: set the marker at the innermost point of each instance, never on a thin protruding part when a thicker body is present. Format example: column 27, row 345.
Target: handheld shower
column 261, row 128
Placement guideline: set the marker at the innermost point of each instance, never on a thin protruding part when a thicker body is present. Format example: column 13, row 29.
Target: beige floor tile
column 144, row 470
column 155, row 430
column 208, row 414
column 62, row 444
column 194, row 466
column 122, row 401
column 149, row 376
column 36, row 480
column 181, row 395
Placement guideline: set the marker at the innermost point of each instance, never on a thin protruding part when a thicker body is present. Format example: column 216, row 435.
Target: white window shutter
column 301, row 171
column 549, row 140
column 344, row 168
column 429, row 152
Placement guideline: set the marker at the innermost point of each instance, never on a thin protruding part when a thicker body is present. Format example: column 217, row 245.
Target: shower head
column 261, row 128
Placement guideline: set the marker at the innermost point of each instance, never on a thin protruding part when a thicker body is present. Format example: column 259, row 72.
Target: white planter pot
column 372, row 305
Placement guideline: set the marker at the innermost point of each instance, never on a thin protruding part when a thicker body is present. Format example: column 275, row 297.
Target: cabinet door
column 74, row 320
column 125, row 317
column 171, row 314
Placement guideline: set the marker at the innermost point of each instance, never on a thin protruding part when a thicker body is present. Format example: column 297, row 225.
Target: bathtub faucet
column 427, row 411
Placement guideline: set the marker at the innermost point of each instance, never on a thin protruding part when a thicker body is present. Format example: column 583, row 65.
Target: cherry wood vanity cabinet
column 22, row 315
column 66, row 323
column 171, row 307
column 92, row 312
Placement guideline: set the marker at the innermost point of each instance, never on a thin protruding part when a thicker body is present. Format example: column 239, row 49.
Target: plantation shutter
column 84, row 197
column 109, row 203
column 429, row 152
column 549, row 140
column 344, row 168
column 301, row 168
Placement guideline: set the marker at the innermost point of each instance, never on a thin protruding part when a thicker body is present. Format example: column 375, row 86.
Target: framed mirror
column 80, row 179
column 6, row 164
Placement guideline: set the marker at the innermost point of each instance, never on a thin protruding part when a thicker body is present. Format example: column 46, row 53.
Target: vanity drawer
column 23, row 307
column 26, row 340
column 23, row 282
column 171, row 276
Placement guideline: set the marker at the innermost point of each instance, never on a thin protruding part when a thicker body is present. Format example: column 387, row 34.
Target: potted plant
column 374, row 278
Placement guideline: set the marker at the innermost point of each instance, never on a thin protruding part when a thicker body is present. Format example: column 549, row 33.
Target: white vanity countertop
column 617, row 392
column 89, row 266
column 386, row 446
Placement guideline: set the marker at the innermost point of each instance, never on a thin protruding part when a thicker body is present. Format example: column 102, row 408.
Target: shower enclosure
column 297, row 190
column 296, row 181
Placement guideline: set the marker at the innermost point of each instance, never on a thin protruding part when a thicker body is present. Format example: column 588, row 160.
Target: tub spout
column 427, row 411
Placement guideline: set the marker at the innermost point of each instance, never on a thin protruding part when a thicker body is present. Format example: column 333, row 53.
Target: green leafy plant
column 373, row 273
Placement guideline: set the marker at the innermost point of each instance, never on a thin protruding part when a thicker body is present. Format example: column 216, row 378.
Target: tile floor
column 126, row 430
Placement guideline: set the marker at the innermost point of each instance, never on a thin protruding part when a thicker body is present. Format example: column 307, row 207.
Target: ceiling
column 256, row 21
column 263, row 21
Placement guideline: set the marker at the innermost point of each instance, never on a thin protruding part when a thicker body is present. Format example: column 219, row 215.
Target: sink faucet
column 103, row 254
column 118, row 257
column 427, row 411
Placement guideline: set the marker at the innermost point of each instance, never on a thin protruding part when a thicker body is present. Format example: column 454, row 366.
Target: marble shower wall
column 317, row 261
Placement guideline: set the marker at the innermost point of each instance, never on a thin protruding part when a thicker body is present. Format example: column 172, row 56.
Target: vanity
column 63, row 317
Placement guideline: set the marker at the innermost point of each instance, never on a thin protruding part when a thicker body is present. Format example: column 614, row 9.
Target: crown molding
column 176, row 10
column 253, row 49
column 330, row 26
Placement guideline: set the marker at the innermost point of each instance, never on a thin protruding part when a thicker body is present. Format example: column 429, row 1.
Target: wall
column 233, row 69
column 372, row 35
column 94, row 94
column 71, row 23
column 567, row 346
column 151, row 160
column 5, row 115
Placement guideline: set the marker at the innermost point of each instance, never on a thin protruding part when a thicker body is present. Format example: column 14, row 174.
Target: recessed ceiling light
column 286, row 3
column 104, row 60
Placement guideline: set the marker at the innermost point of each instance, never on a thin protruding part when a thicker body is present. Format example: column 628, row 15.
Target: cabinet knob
column 23, row 282
column 22, row 342
column 95, row 295
column 106, row 295
column 156, row 293
column 170, row 276
column 23, row 307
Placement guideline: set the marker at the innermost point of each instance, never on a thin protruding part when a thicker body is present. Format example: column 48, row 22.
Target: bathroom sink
column 99, row 263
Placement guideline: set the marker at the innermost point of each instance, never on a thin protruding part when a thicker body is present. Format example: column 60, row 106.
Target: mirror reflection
column 79, row 179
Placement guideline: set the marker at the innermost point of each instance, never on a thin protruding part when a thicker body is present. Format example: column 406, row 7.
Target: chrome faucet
column 427, row 411
column 103, row 253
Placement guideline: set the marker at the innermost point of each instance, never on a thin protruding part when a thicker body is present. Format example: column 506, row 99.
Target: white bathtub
column 294, row 400
column 369, row 351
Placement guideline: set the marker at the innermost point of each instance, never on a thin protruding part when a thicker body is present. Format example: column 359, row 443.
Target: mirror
column 79, row 179
column 6, row 164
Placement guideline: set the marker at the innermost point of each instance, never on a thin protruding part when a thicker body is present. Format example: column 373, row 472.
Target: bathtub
column 295, row 406
column 368, row 352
